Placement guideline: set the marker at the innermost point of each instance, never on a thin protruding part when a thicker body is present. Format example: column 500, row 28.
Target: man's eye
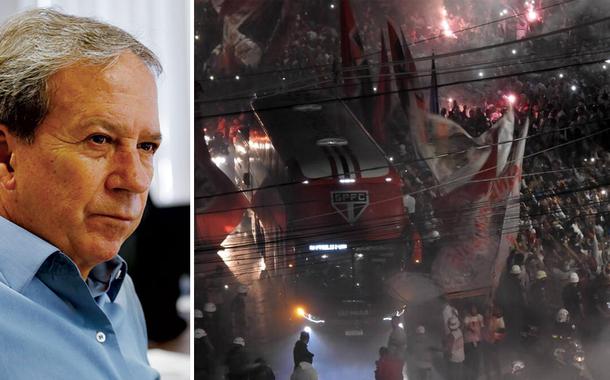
column 149, row 147
column 99, row 139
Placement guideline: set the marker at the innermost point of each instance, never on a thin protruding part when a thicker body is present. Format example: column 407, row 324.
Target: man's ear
column 7, row 178
column 5, row 152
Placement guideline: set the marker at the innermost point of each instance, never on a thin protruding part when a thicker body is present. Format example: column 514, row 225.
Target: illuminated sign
column 327, row 247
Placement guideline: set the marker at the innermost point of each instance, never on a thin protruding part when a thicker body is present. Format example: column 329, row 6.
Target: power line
column 317, row 200
column 244, row 259
column 465, row 68
column 471, row 50
column 444, row 214
column 260, row 206
column 207, row 196
column 524, row 157
column 305, row 266
column 347, row 232
column 533, row 154
column 319, row 85
column 290, row 69
column 435, row 186
column 491, row 168
column 420, row 88
column 515, row 15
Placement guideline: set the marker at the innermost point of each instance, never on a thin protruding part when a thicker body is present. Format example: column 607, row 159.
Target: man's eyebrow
column 156, row 137
column 117, row 128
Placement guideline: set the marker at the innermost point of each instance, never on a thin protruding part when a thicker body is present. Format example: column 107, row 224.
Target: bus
column 327, row 210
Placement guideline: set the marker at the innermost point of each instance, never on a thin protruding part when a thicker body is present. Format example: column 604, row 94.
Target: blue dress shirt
column 54, row 325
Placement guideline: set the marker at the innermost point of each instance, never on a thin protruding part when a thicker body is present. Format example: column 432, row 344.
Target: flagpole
column 434, row 106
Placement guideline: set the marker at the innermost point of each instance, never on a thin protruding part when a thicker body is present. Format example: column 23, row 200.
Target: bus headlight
column 300, row 311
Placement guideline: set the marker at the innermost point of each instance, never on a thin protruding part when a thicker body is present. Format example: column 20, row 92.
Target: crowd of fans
column 309, row 44
column 221, row 333
column 557, row 277
column 223, row 336
column 469, row 346
column 304, row 40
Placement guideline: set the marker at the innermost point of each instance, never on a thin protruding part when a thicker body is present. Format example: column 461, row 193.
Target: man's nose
column 129, row 172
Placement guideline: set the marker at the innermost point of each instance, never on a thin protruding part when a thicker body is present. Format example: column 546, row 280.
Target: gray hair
column 36, row 44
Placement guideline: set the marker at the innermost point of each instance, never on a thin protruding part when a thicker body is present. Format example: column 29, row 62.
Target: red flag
column 217, row 216
column 352, row 49
column 475, row 208
column 409, row 60
column 405, row 71
column 436, row 139
column 400, row 69
column 383, row 101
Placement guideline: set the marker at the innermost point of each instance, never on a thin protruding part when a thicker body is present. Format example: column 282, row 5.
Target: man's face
column 83, row 183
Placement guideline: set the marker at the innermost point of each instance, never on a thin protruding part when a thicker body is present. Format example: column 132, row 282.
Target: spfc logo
column 350, row 204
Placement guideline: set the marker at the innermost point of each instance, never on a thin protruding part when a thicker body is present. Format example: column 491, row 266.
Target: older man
column 78, row 131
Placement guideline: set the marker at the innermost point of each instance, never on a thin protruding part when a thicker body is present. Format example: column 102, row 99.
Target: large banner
column 480, row 215
column 477, row 187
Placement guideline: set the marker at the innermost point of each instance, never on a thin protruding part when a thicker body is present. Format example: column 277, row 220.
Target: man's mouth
column 117, row 217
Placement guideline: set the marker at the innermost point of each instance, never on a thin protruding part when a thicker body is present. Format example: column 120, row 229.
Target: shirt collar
column 107, row 277
column 22, row 254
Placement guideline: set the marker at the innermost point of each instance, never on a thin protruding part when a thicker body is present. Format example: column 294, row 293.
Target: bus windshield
column 310, row 133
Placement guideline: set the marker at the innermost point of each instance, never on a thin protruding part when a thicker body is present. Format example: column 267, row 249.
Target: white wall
column 7, row 8
column 163, row 26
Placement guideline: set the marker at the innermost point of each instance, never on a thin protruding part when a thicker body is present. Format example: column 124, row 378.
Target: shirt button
column 100, row 337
